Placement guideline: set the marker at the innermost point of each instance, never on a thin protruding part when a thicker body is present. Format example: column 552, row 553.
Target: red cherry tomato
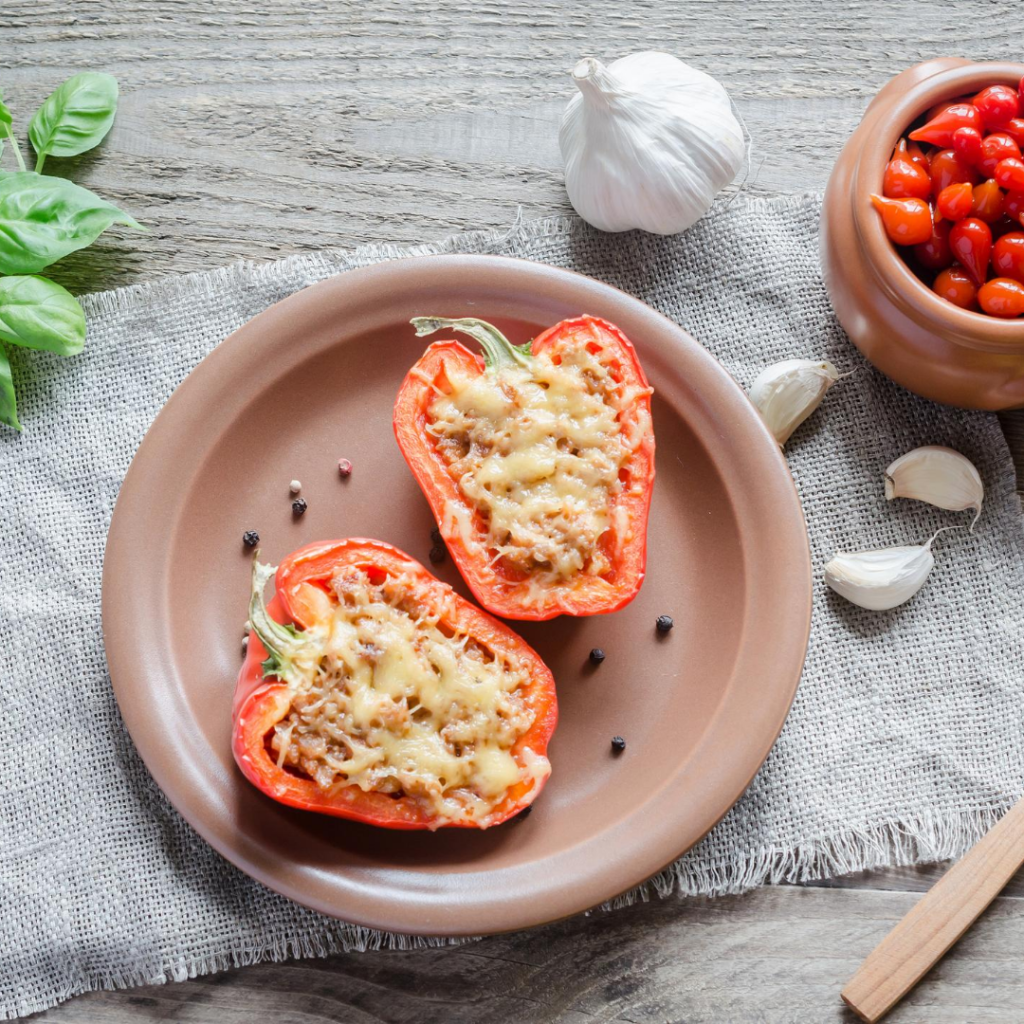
column 1015, row 129
column 947, row 169
column 939, row 130
column 987, row 204
column 1013, row 206
column 996, row 104
column 905, row 179
column 1010, row 174
column 916, row 153
column 967, row 145
column 935, row 254
column 995, row 147
column 955, row 285
column 971, row 242
column 1008, row 256
column 956, row 201
column 1003, row 297
column 906, row 221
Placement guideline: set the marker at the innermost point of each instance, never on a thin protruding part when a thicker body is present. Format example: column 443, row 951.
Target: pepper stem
column 282, row 642
column 498, row 350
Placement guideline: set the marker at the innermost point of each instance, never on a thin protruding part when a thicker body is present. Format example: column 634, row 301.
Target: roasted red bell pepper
column 501, row 588
column 282, row 631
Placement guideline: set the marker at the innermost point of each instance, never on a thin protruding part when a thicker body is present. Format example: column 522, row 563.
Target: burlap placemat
column 905, row 742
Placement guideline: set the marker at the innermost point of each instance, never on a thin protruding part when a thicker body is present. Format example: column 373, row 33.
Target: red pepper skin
column 906, row 221
column 1013, row 207
column 501, row 591
column 935, row 254
column 260, row 703
column 948, row 169
column 995, row 147
column 967, row 144
column 955, row 285
column 996, row 104
column 1008, row 256
column 939, row 130
column 1002, row 297
column 971, row 242
column 1009, row 174
column 987, row 202
column 956, row 201
column 904, row 178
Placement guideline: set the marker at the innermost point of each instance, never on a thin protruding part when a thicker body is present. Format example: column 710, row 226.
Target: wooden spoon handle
column 943, row 914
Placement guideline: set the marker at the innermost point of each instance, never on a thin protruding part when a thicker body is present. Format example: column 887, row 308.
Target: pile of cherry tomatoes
column 956, row 205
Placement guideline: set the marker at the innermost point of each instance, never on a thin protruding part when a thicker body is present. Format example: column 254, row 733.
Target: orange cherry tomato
column 935, row 254
column 1013, row 206
column 1003, row 297
column 906, row 221
column 971, row 242
column 967, row 145
column 988, row 201
column 996, row 104
column 1008, row 256
column 955, row 285
column 956, row 201
column 948, row 169
column 995, row 147
column 1010, row 174
column 904, row 179
column 939, row 130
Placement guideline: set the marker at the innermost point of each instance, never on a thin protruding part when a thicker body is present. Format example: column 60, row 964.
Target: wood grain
column 252, row 131
column 937, row 920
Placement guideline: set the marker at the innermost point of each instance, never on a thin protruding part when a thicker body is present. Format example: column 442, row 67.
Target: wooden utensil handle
column 943, row 914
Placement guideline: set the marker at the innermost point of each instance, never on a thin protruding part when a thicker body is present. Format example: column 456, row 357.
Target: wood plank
column 775, row 955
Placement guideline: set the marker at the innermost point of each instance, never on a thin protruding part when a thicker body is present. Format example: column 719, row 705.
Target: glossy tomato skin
column 504, row 594
column 260, row 703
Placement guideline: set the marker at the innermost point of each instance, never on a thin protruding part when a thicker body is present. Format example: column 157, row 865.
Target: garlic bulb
column 940, row 476
column 647, row 143
column 788, row 392
column 884, row 579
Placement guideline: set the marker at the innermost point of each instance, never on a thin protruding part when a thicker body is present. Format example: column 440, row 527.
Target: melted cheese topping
column 537, row 452
column 391, row 702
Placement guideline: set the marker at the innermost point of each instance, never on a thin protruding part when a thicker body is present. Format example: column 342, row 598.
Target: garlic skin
column 786, row 393
column 940, row 476
column 648, row 143
column 883, row 579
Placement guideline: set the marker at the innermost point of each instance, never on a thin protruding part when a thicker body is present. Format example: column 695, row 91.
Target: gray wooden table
column 259, row 130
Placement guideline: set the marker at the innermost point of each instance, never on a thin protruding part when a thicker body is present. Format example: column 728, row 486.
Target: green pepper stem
column 282, row 642
column 498, row 350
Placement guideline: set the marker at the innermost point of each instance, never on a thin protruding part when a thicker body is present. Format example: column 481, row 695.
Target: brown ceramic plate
column 313, row 379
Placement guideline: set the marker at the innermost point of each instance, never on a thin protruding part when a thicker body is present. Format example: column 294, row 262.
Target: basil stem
column 8, row 406
column 498, row 350
column 5, row 121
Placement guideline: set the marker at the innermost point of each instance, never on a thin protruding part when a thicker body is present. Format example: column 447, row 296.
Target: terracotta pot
column 911, row 334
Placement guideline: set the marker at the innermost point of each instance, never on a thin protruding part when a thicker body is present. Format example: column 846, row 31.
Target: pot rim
column 915, row 298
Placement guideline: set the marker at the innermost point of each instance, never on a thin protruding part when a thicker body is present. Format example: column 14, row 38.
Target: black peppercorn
column 299, row 506
column 438, row 554
column 524, row 813
column 597, row 655
column 435, row 536
column 618, row 744
column 664, row 623
column 250, row 538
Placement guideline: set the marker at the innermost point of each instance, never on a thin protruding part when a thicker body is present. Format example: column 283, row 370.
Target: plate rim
column 121, row 538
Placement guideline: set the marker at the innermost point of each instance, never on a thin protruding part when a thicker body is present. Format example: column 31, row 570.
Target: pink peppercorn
column 344, row 467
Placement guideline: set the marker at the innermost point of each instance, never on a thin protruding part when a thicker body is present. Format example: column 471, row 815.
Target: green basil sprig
column 74, row 117
column 43, row 218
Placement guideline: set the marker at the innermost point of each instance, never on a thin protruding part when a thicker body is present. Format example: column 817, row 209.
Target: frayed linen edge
column 328, row 262
column 919, row 839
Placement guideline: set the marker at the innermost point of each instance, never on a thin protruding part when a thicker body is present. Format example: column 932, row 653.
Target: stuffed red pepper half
column 537, row 461
column 372, row 691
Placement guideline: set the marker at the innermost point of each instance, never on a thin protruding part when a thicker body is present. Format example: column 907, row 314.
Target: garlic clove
column 940, row 476
column 882, row 579
column 786, row 393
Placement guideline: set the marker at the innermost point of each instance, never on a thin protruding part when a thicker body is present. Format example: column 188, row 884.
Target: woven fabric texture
column 905, row 742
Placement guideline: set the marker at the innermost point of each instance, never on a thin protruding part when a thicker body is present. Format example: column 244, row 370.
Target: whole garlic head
column 648, row 143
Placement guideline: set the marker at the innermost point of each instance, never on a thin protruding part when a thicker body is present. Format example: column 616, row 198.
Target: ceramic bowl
column 920, row 340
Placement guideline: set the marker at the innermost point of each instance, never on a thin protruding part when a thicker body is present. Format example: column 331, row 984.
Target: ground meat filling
column 538, row 452
column 397, row 704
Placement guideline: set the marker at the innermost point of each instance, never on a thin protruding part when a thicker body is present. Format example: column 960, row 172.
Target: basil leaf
column 43, row 218
column 37, row 313
column 75, row 116
column 8, row 407
column 5, row 114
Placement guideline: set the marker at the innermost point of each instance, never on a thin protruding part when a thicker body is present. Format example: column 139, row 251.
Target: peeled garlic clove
column 940, row 476
column 788, row 392
column 883, row 579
